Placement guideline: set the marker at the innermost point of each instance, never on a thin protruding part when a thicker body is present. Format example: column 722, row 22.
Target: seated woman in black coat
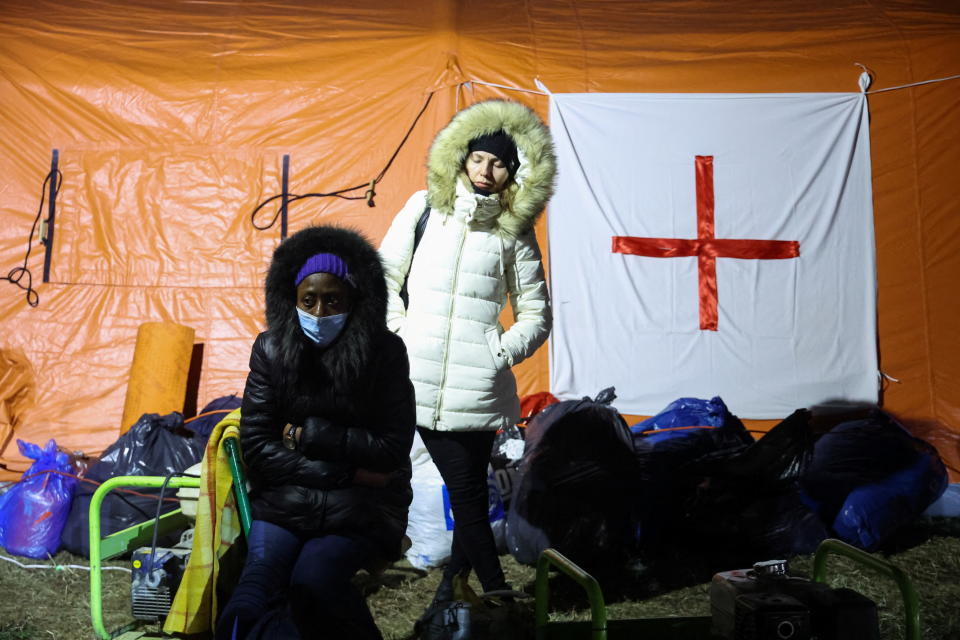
column 326, row 427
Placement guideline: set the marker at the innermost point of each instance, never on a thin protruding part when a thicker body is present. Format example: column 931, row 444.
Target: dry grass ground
column 53, row 603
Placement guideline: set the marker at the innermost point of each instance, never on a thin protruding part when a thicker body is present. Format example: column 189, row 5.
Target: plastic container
column 188, row 496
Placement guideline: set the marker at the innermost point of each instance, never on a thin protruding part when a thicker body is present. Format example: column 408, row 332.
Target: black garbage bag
column 686, row 430
column 743, row 504
column 211, row 415
column 155, row 446
column 577, row 479
column 870, row 477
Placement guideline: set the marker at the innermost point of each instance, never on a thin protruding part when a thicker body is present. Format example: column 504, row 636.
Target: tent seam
column 533, row 39
column 918, row 201
column 583, row 46
column 116, row 285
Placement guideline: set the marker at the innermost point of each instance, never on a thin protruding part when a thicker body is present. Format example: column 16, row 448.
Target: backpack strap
column 417, row 236
column 421, row 228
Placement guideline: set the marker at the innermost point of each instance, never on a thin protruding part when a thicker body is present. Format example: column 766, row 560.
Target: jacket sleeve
column 261, row 429
column 396, row 253
column 530, row 301
column 384, row 446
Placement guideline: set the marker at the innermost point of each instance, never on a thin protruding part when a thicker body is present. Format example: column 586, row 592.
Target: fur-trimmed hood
column 533, row 185
column 342, row 363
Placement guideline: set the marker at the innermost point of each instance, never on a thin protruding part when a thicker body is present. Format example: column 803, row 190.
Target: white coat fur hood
column 534, row 181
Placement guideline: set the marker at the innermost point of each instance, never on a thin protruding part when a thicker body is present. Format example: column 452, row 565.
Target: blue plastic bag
column 33, row 512
column 870, row 477
column 871, row 512
column 687, row 412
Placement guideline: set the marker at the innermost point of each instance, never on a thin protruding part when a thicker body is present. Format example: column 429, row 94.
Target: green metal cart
column 687, row 628
column 121, row 542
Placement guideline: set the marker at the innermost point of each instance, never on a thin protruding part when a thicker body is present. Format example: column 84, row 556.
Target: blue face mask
column 322, row 331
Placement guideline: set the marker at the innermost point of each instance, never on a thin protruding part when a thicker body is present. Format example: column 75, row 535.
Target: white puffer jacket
column 474, row 256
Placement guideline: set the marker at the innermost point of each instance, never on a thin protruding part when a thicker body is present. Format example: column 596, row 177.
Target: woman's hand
column 375, row 479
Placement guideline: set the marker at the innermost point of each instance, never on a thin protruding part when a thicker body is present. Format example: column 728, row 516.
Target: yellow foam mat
column 158, row 375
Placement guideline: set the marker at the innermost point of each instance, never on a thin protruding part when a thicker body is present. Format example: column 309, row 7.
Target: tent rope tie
column 339, row 193
column 914, row 84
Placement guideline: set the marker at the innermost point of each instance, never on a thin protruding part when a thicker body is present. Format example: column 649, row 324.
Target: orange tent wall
column 171, row 120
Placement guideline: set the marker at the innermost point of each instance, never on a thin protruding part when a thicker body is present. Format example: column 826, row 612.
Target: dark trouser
column 462, row 458
column 308, row 578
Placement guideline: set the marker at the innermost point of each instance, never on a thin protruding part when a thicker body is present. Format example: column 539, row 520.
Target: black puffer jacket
column 353, row 398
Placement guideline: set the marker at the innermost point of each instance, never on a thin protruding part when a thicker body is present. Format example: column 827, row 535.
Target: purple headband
column 324, row 263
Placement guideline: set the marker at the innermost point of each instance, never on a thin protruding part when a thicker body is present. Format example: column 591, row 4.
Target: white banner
column 713, row 244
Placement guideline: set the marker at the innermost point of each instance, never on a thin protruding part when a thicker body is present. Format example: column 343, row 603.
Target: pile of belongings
column 689, row 491
column 156, row 445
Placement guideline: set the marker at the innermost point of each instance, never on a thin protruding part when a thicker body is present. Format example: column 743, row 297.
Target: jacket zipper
column 446, row 342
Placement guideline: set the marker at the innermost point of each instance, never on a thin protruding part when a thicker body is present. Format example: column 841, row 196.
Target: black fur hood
column 342, row 363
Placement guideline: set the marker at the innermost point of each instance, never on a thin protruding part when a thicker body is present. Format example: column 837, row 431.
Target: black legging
column 462, row 458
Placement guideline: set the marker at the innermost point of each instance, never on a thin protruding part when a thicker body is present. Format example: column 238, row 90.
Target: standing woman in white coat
column 490, row 174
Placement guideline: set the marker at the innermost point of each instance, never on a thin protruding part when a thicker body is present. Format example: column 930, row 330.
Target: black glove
column 322, row 439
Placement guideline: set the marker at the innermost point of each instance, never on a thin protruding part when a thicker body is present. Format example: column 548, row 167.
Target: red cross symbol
column 706, row 247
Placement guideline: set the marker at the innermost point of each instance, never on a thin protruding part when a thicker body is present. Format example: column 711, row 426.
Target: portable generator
column 156, row 575
column 767, row 603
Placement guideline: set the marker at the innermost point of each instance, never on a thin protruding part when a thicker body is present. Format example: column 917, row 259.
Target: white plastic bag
column 430, row 521
column 430, row 539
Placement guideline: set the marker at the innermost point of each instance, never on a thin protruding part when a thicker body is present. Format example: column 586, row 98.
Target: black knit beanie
column 499, row 144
